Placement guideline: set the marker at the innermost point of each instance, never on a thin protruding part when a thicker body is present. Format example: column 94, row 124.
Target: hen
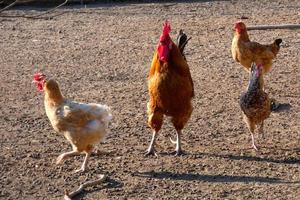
column 83, row 125
column 245, row 51
column 255, row 103
column 170, row 88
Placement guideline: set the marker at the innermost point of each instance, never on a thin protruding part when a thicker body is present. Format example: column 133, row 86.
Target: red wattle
column 163, row 53
column 40, row 86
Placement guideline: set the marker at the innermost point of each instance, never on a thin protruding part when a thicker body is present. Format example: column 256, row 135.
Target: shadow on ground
column 281, row 107
column 288, row 160
column 210, row 178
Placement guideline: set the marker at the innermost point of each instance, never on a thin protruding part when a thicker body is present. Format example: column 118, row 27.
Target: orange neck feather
column 54, row 98
column 243, row 35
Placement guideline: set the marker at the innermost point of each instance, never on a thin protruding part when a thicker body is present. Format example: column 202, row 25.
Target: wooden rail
column 282, row 26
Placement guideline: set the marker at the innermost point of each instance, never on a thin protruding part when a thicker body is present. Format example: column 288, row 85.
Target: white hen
column 83, row 125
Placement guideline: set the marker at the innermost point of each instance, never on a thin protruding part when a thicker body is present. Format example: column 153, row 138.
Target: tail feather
column 107, row 113
column 102, row 111
column 182, row 40
column 278, row 42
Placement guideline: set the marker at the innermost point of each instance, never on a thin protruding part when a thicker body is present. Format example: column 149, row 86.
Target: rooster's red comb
column 38, row 76
column 166, row 28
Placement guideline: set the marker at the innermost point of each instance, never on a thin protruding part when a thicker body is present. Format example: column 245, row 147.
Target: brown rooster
column 245, row 51
column 255, row 103
column 83, row 125
column 170, row 88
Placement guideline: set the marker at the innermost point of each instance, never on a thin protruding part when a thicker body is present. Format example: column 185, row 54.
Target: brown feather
column 75, row 120
column 171, row 89
column 255, row 103
column 245, row 51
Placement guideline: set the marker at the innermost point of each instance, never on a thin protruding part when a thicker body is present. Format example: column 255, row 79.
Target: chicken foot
column 63, row 156
column 151, row 149
column 253, row 142
column 178, row 143
column 84, row 164
column 251, row 127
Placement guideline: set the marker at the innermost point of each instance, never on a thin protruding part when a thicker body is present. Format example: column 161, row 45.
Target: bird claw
column 151, row 152
column 79, row 170
column 254, row 146
column 60, row 159
column 173, row 141
column 179, row 153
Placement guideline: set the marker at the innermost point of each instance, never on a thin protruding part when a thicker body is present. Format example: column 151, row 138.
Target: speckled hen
column 255, row 103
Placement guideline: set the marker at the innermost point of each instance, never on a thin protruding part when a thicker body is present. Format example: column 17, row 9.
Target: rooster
column 245, row 51
column 170, row 88
column 255, row 103
column 83, row 125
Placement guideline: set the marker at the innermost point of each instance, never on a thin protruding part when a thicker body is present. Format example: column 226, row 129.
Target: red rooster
column 170, row 88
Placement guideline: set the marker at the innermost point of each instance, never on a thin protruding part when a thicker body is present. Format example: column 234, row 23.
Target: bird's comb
column 166, row 28
column 38, row 76
column 39, row 79
column 238, row 22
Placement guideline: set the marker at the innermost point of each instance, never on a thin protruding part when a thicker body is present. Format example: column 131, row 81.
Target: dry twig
column 38, row 16
column 69, row 196
column 282, row 26
column 48, row 11
column 9, row 6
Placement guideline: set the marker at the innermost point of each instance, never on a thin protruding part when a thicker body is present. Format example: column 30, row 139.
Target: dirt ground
column 102, row 53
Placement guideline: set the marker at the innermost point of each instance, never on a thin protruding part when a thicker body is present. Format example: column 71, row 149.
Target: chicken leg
column 84, row 164
column 251, row 128
column 151, row 149
column 63, row 156
column 178, row 143
column 253, row 142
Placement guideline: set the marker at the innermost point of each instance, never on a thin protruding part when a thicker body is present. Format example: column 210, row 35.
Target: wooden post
column 282, row 26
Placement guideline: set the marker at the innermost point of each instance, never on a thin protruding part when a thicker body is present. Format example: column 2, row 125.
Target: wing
column 260, row 52
column 78, row 115
column 255, row 105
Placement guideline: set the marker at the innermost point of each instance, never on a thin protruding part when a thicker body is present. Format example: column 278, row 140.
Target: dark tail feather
column 278, row 42
column 182, row 41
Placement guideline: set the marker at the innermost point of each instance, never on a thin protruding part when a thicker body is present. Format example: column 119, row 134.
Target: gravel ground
column 102, row 53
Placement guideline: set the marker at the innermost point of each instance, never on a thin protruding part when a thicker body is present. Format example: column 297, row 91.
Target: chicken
column 245, row 52
column 170, row 88
column 255, row 103
column 83, row 125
